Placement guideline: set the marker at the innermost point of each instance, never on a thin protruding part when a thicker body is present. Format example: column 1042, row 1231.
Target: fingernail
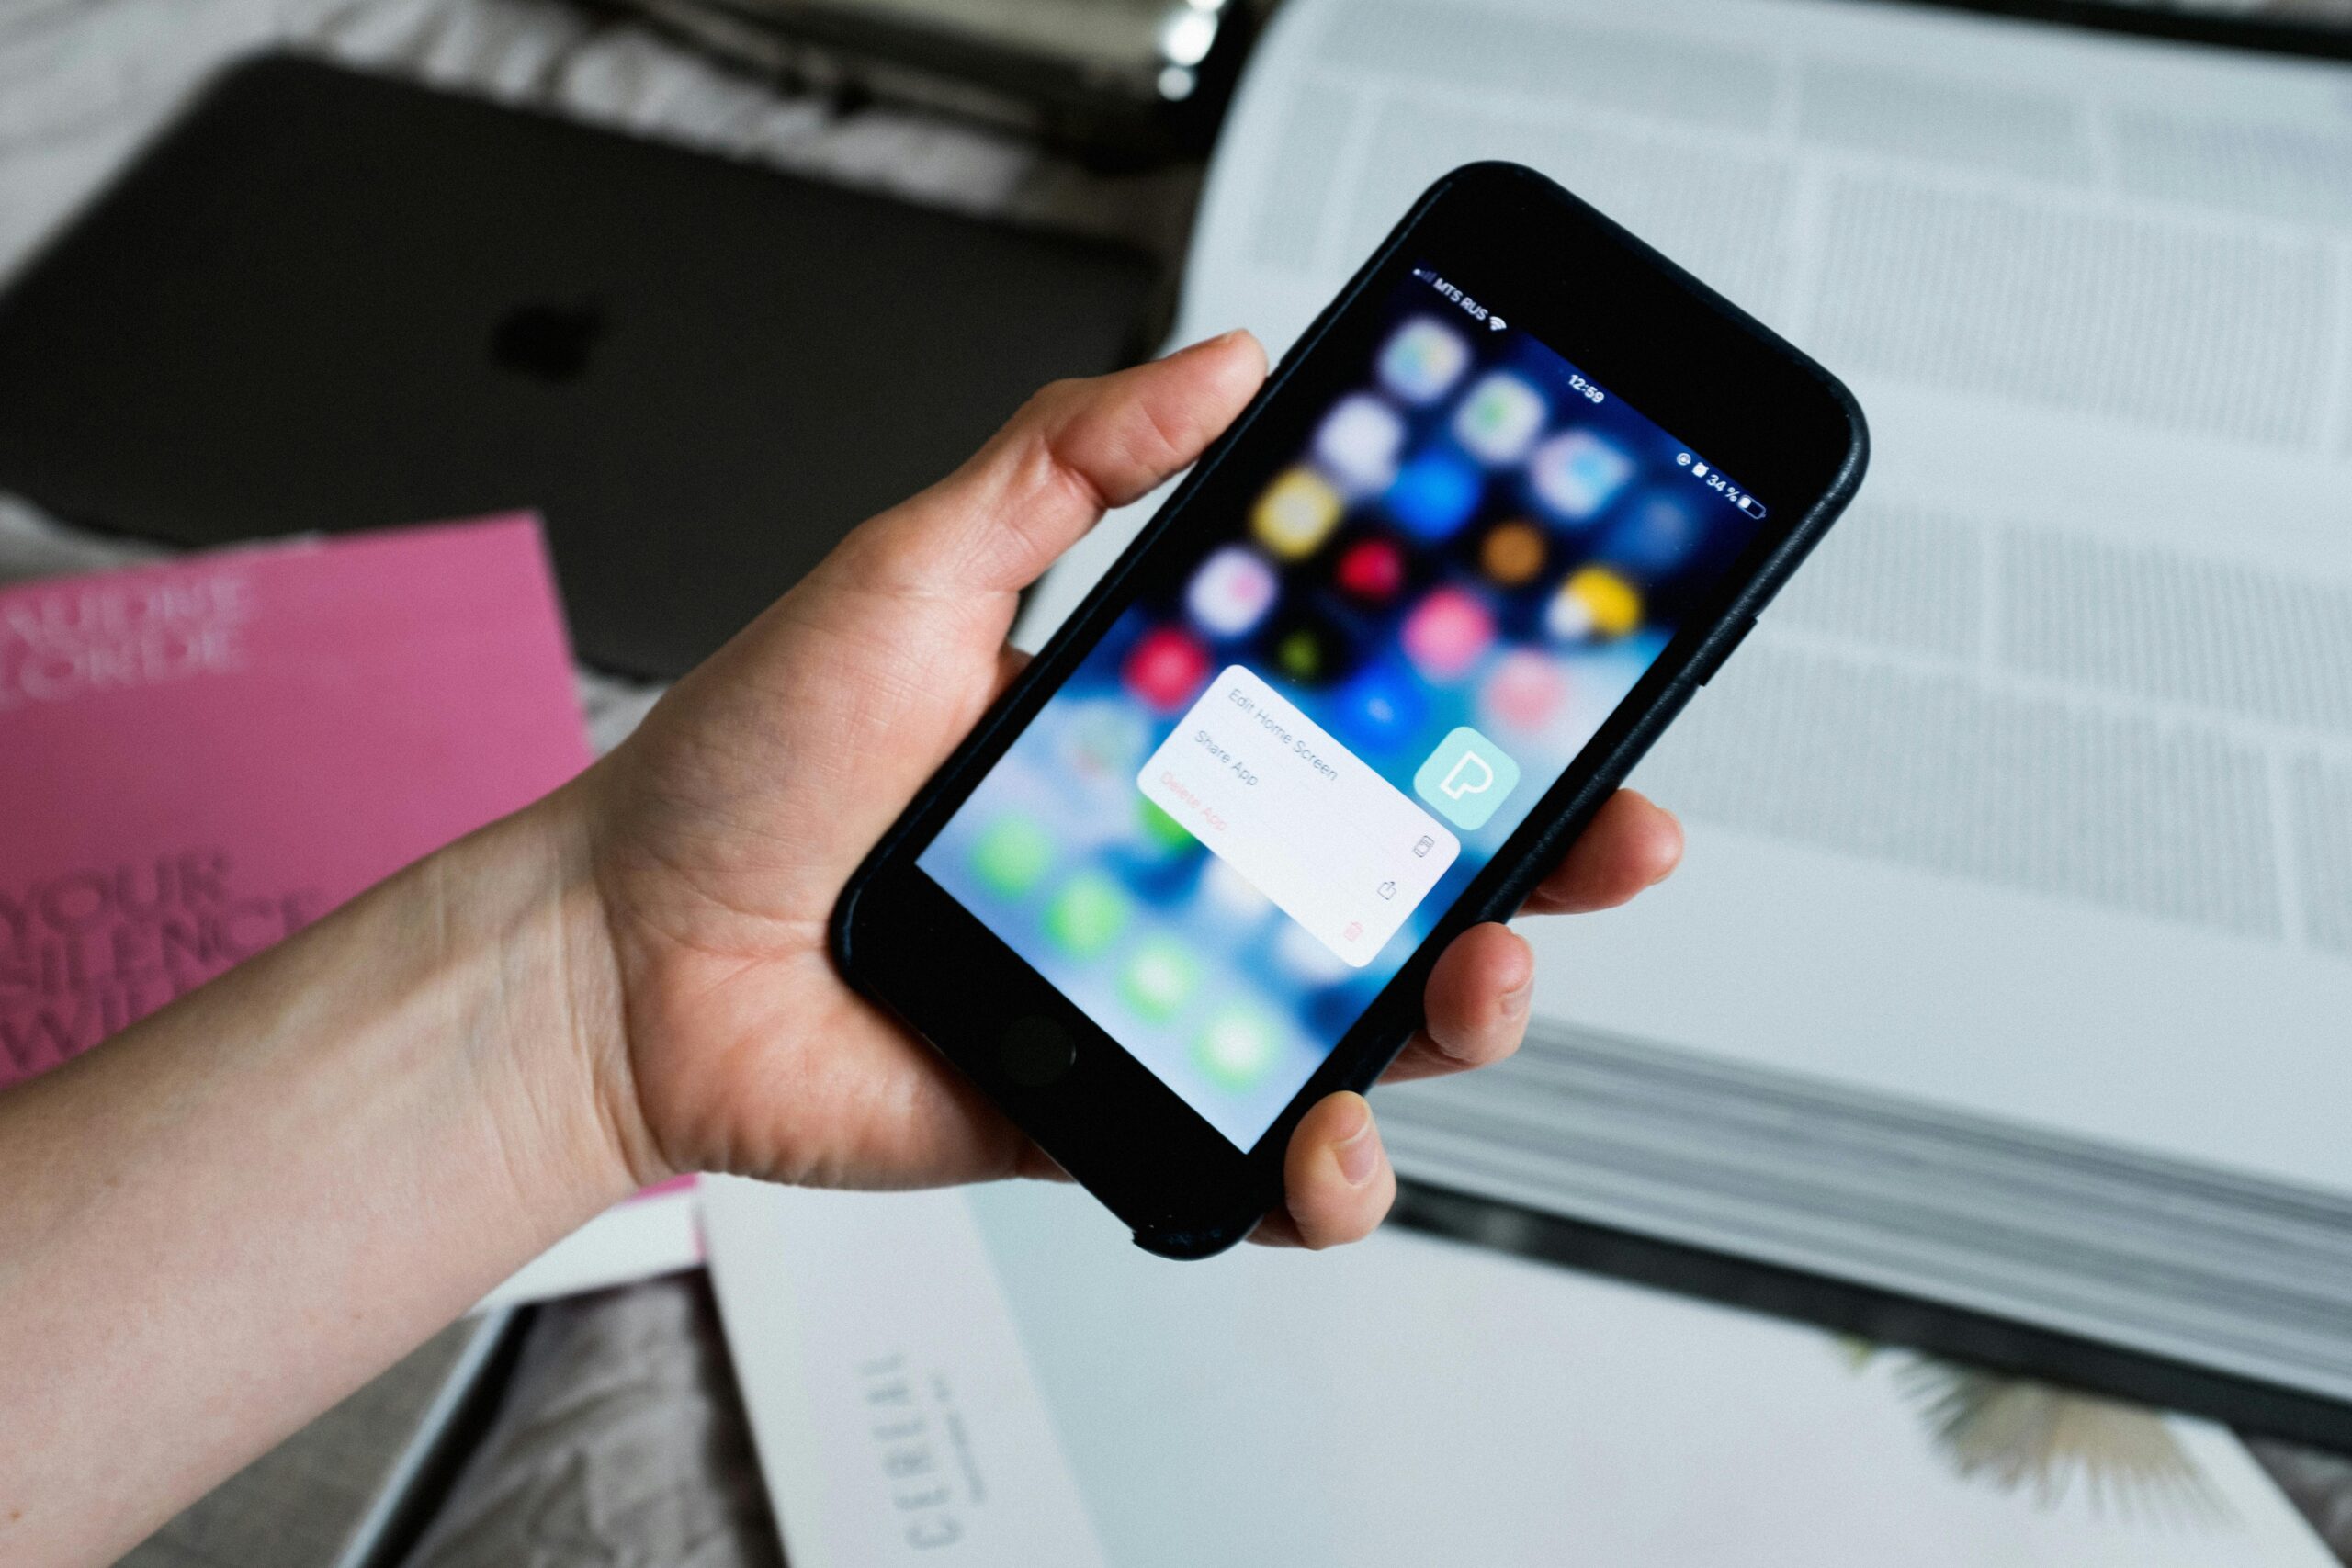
column 1676, row 859
column 1359, row 1152
column 1517, row 999
column 1228, row 335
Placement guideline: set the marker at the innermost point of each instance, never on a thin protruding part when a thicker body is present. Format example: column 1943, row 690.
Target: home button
column 1036, row 1051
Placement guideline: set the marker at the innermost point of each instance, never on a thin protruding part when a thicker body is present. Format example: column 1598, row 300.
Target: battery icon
column 1752, row 506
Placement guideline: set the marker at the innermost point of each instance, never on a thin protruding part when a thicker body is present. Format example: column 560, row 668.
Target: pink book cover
column 197, row 758
column 200, row 756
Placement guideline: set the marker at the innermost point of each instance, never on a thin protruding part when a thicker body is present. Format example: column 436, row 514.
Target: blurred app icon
column 1499, row 420
column 1433, row 495
column 1654, row 537
column 1087, row 915
column 1466, row 778
column 1235, row 1047
column 1447, row 633
column 1423, row 359
column 1381, row 709
column 1232, row 592
column 1011, row 854
column 1512, row 553
column 1577, row 475
column 1159, row 978
column 1358, row 442
column 1371, row 572
column 1101, row 739
column 1525, row 692
column 1593, row 601
column 1297, row 514
column 1309, row 649
column 1167, row 669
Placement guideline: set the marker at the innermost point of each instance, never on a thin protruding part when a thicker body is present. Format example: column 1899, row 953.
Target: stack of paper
column 2010, row 966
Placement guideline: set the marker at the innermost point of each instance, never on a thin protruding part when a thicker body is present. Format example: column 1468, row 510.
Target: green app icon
column 1163, row 833
column 1159, row 978
column 1466, row 778
column 1235, row 1048
column 1085, row 915
column 1011, row 854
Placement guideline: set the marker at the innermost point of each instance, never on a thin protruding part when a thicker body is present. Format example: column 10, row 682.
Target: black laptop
column 327, row 301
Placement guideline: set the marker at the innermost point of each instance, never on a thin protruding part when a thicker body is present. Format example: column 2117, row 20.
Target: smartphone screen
column 1323, row 714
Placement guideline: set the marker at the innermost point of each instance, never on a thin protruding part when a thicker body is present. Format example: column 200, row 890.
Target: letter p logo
column 1470, row 775
column 1467, row 778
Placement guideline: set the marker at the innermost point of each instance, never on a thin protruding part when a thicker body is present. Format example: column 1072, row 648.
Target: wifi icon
column 1494, row 324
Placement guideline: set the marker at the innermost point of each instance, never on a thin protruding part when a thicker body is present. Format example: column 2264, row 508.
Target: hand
column 721, row 833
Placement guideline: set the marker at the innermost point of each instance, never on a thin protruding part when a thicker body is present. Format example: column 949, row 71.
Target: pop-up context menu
column 1302, row 820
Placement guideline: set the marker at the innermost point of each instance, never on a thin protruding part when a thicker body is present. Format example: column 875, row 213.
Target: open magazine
column 2010, row 968
column 998, row 1378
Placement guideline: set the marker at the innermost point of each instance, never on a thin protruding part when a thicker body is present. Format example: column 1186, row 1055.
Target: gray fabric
column 621, row 1444
column 301, row 1504
column 2320, row 1485
column 82, row 84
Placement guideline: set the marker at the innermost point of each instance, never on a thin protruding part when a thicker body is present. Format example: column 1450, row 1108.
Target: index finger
column 1630, row 844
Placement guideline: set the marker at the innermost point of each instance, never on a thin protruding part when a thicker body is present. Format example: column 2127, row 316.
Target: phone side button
column 1035, row 1052
column 1703, row 670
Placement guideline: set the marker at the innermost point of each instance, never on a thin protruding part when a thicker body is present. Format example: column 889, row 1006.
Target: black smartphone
column 1516, row 493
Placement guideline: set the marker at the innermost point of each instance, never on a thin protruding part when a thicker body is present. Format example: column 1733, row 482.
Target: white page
column 895, row 1418
column 1406, row 1401
column 2033, row 795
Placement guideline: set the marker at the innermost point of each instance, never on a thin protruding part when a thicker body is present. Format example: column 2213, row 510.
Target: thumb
column 1075, row 448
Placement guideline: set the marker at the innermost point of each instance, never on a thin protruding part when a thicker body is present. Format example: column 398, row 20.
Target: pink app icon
column 1372, row 570
column 1167, row 669
column 1231, row 592
column 1447, row 633
column 1525, row 692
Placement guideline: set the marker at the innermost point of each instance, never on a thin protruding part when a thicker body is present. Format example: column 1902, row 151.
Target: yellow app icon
column 1297, row 514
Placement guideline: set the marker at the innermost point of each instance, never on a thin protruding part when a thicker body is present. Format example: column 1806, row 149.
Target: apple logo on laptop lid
column 548, row 341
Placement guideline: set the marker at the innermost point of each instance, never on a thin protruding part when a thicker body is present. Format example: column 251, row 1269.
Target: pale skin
column 238, row 1210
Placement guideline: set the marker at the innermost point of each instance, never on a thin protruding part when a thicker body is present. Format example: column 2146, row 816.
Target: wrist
column 522, row 894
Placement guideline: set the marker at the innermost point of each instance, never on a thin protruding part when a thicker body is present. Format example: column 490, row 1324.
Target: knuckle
column 1053, row 398
column 1162, row 437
